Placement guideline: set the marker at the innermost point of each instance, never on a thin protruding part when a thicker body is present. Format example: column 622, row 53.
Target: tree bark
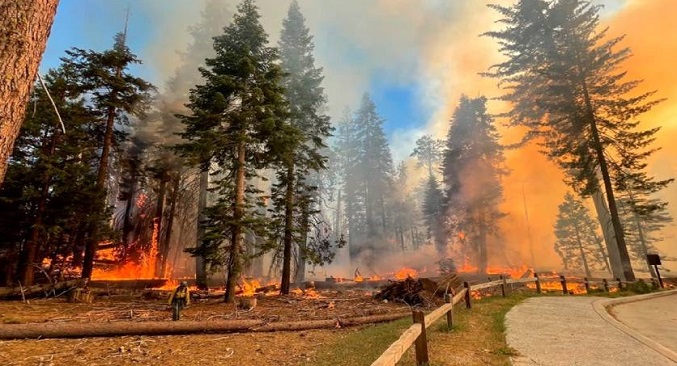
column 200, row 268
column 235, row 262
column 159, row 213
column 628, row 274
column 608, row 234
column 164, row 254
column 288, row 230
column 128, row 328
column 24, row 30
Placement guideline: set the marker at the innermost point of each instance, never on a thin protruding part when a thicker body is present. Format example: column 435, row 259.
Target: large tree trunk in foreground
column 608, row 234
column 24, row 30
column 126, row 328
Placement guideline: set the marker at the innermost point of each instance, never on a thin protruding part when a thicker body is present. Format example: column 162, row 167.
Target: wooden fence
column 416, row 334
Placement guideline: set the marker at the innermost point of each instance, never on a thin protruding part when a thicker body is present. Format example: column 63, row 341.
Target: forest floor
column 477, row 339
column 322, row 305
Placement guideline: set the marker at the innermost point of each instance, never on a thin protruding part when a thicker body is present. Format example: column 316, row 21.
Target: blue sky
column 91, row 24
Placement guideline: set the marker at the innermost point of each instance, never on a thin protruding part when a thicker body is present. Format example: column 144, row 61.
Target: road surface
column 554, row 331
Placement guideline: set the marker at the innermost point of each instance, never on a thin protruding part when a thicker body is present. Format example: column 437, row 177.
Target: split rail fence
column 416, row 334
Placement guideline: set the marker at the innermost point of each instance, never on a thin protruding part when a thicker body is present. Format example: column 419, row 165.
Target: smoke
column 434, row 47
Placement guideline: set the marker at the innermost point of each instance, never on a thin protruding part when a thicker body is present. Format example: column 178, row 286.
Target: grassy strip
column 478, row 338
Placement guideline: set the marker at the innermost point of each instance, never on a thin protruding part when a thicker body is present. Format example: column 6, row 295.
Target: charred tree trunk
column 200, row 268
column 159, row 214
column 164, row 253
column 288, row 230
column 235, row 262
column 24, row 30
column 127, row 222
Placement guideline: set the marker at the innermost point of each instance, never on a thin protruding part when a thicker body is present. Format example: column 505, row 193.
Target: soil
column 330, row 305
column 280, row 348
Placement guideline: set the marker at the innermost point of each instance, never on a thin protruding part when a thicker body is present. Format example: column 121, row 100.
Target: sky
column 415, row 58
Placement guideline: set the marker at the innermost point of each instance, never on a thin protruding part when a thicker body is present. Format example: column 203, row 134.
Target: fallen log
column 37, row 290
column 130, row 328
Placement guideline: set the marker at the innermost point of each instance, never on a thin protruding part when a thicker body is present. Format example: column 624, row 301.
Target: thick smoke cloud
column 434, row 46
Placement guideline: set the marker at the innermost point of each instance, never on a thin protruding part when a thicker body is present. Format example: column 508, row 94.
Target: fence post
column 450, row 314
column 421, row 344
column 563, row 281
column 538, row 283
column 620, row 284
column 587, row 285
column 503, row 285
column 606, row 284
column 468, row 300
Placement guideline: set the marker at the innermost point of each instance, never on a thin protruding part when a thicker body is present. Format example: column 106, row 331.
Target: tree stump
column 80, row 295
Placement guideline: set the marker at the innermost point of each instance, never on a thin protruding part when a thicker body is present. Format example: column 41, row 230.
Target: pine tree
column 47, row 191
column 428, row 151
column 237, row 123
column 563, row 80
column 577, row 242
column 305, row 95
column 116, row 95
column 367, row 173
column 472, row 171
column 433, row 213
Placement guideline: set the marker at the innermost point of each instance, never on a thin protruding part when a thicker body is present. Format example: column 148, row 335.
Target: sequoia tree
column 24, row 30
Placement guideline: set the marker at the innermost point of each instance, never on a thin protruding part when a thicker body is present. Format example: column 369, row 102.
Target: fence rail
column 416, row 333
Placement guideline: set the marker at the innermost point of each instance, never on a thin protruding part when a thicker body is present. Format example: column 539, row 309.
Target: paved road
column 554, row 331
column 655, row 319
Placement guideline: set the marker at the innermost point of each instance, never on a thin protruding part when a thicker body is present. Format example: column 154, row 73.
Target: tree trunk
column 288, row 230
column 170, row 226
column 127, row 222
column 301, row 269
column 24, row 30
column 583, row 258
column 159, row 213
column 200, row 268
column 608, row 234
column 628, row 274
column 235, row 262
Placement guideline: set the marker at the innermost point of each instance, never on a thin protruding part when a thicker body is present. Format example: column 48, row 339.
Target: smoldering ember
column 338, row 182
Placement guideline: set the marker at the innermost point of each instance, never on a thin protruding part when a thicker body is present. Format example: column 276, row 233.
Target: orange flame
column 406, row 272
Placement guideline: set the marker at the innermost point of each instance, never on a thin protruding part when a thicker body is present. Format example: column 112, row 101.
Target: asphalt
column 556, row 331
column 655, row 319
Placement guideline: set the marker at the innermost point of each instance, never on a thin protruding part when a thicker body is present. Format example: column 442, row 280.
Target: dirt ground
column 330, row 305
column 278, row 348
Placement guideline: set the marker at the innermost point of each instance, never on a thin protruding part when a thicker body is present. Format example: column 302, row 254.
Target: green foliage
column 428, row 151
column 238, row 126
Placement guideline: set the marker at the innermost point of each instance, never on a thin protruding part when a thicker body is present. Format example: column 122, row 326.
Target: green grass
column 477, row 338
